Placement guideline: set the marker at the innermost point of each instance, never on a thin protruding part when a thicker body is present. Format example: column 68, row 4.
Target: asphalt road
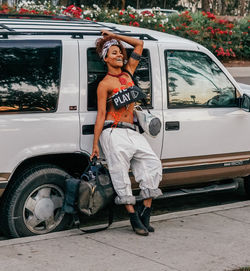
column 244, row 80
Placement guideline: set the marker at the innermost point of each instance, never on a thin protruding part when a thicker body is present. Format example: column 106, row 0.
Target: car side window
column 97, row 70
column 30, row 75
column 194, row 80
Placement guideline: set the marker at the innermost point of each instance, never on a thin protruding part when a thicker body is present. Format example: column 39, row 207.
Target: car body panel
column 213, row 137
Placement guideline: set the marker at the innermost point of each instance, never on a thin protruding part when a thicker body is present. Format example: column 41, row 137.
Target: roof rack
column 34, row 16
column 56, row 25
column 74, row 35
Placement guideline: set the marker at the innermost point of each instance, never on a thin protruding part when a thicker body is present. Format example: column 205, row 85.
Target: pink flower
column 136, row 24
column 211, row 16
column 195, row 32
column 222, row 21
column 230, row 26
column 147, row 12
column 232, row 52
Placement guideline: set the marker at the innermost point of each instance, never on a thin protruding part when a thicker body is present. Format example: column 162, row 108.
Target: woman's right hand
column 106, row 33
column 95, row 152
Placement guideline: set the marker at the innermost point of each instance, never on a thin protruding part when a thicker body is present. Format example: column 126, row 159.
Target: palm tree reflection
column 29, row 78
column 194, row 79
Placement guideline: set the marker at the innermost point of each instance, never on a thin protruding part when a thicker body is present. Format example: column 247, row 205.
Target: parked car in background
column 166, row 12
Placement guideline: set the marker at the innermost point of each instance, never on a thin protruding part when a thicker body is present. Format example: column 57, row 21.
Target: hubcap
column 42, row 209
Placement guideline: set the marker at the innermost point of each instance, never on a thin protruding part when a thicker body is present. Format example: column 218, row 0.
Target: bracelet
column 135, row 56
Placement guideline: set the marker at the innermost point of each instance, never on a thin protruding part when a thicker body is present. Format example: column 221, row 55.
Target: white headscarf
column 106, row 47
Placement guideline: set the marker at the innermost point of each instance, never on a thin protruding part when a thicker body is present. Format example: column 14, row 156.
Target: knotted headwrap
column 106, row 47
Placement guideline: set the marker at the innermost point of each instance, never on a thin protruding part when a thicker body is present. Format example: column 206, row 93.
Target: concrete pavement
column 207, row 239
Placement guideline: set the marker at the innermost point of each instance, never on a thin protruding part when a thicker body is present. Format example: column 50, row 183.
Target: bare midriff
column 124, row 114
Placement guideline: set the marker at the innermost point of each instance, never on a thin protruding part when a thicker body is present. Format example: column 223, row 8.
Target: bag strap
column 110, row 221
column 136, row 83
column 132, row 76
column 90, row 163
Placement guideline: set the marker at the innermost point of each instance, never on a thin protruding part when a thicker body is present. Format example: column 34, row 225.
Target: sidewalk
column 213, row 238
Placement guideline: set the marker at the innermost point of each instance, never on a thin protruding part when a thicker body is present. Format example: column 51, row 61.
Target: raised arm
column 135, row 56
column 102, row 91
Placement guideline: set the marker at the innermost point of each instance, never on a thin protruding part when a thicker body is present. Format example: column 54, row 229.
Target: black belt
column 120, row 125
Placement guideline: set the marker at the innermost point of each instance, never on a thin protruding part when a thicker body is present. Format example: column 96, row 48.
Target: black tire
column 32, row 205
column 247, row 186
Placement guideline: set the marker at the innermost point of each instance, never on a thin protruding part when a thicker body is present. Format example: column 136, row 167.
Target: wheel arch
column 73, row 163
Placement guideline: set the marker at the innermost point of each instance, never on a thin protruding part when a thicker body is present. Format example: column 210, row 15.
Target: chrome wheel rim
column 42, row 209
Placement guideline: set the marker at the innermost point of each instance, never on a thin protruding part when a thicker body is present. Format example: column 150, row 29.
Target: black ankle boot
column 144, row 214
column 137, row 225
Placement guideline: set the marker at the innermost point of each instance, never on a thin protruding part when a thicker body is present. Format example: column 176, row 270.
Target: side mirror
column 245, row 103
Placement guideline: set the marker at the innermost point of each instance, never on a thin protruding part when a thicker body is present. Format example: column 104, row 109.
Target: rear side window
column 30, row 75
column 97, row 70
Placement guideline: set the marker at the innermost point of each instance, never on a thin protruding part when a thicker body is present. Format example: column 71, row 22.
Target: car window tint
column 194, row 80
column 97, row 70
column 30, row 75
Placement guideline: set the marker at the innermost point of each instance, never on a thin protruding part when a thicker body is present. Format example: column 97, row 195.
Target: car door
column 203, row 124
column 92, row 70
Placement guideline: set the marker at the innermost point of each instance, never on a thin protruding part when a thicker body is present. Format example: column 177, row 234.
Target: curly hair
column 101, row 41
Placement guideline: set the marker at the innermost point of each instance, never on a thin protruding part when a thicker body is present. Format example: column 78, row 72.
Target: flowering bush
column 32, row 7
column 225, row 39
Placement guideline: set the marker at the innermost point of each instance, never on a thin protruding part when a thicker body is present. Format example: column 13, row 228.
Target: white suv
column 49, row 75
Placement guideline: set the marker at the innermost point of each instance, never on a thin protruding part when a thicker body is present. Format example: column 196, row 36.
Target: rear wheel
column 33, row 205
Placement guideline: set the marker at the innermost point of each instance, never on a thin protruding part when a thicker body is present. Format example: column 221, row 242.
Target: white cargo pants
column 124, row 148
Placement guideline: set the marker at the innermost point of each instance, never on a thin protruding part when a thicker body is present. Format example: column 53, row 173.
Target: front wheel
column 33, row 205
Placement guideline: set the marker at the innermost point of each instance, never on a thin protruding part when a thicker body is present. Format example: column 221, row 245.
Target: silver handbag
column 150, row 124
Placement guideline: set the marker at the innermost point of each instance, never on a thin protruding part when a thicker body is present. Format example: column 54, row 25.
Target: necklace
column 122, row 80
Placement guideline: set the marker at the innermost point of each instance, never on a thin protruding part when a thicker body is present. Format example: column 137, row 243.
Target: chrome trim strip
column 207, row 159
column 205, row 166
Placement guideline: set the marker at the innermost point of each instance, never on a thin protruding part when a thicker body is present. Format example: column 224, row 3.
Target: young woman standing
column 122, row 144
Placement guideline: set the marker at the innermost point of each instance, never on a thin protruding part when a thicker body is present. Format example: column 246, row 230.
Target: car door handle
column 88, row 129
column 172, row 125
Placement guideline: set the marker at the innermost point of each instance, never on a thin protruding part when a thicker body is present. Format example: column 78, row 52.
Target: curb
column 120, row 224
